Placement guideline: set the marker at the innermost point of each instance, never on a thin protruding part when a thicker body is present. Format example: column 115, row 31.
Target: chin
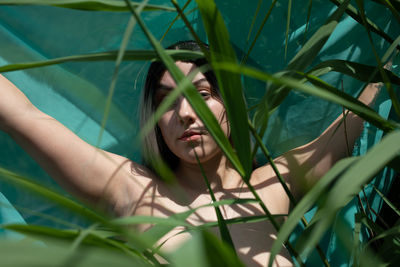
column 204, row 155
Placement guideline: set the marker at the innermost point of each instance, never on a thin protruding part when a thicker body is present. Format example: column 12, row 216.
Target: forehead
column 186, row 68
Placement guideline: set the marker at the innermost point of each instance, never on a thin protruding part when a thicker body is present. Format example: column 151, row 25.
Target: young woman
column 129, row 188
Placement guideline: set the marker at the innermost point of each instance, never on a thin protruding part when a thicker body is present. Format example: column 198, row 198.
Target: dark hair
column 154, row 146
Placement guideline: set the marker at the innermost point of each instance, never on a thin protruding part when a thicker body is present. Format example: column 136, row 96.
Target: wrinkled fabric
column 74, row 93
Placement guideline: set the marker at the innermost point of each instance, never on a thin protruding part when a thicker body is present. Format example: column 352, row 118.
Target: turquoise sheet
column 74, row 93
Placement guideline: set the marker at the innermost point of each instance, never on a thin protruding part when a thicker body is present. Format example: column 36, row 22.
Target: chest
column 252, row 234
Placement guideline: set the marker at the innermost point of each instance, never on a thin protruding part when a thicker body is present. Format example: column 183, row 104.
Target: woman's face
column 183, row 132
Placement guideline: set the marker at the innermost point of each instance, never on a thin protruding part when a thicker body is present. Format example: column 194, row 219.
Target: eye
column 205, row 94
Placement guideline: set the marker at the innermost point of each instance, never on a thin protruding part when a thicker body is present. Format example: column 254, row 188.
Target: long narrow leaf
column 93, row 5
column 194, row 98
column 49, row 194
column 121, row 52
column 348, row 185
column 387, row 201
column 275, row 95
column 253, row 43
column 230, row 85
column 326, row 92
column 356, row 70
column 352, row 12
column 311, row 49
column 289, row 13
column 307, row 202
column 137, row 55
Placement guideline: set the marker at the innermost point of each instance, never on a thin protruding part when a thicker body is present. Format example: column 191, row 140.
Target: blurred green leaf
column 313, row 46
column 194, row 98
column 306, row 203
column 230, row 85
column 244, row 60
column 104, row 56
column 387, row 201
column 203, row 250
column 289, row 14
column 49, row 194
column 393, row 6
column 276, row 94
column 347, row 186
column 22, row 254
column 353, row 12
column 321, row 89
column 358, row 71
column 389, row 87
column 121, row 52
column 93, row 5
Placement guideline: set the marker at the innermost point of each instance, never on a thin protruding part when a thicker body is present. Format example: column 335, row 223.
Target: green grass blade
column 389, row 87
column 272, row 163
column 230, row 85
column 321, row 187
column 289, row 14
column 223, row 228
column 308, row 20
column 355, row 255
column 392, row 8
column 136, row 55
column 242, row 220
column 311, row 49
column 175, row 19
column 192, row 31
column 92, row 5
column 193, row 97
column 352, row 12
column 91, row 238
column 393, row 232
column 323, row 90
column 164, row 225
column 361, row 72
column 253, row 21
column 204, row 250
column 387, row 201
column 46, row 217
column 275, row 94
column 349, row 185
column 57, row 254
column 244, row 60
column 40, row 190
column 120, row 56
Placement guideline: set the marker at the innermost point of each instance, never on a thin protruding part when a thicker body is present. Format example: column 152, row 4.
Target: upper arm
column 92, row 174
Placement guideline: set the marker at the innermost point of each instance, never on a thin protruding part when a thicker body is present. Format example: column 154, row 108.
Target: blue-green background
column 74, row 93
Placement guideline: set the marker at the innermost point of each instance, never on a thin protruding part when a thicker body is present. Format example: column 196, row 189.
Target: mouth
column 191, row 135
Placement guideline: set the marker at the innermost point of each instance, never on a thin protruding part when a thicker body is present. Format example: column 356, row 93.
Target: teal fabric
column 74, row 93
column 8, row 215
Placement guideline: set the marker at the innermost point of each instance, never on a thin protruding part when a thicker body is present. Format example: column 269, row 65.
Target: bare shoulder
column 129, row 184
column 267, row 185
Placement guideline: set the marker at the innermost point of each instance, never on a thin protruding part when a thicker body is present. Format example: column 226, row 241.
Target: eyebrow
column 169, row 88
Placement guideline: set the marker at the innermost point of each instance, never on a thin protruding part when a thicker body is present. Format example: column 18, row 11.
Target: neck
column 218, row 171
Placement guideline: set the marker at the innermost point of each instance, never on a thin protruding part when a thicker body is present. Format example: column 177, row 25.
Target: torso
column 252, row 240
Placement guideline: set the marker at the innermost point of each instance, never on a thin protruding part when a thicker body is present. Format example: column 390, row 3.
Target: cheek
column 220, row 114
column 164, row 123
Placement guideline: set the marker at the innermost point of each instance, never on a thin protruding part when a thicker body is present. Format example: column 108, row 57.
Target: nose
column 185, row 111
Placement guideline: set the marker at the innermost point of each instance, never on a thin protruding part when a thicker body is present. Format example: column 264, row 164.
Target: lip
column 191, row 135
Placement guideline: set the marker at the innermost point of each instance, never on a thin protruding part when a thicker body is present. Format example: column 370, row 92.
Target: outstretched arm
column 304, row 165
column 92, row 174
